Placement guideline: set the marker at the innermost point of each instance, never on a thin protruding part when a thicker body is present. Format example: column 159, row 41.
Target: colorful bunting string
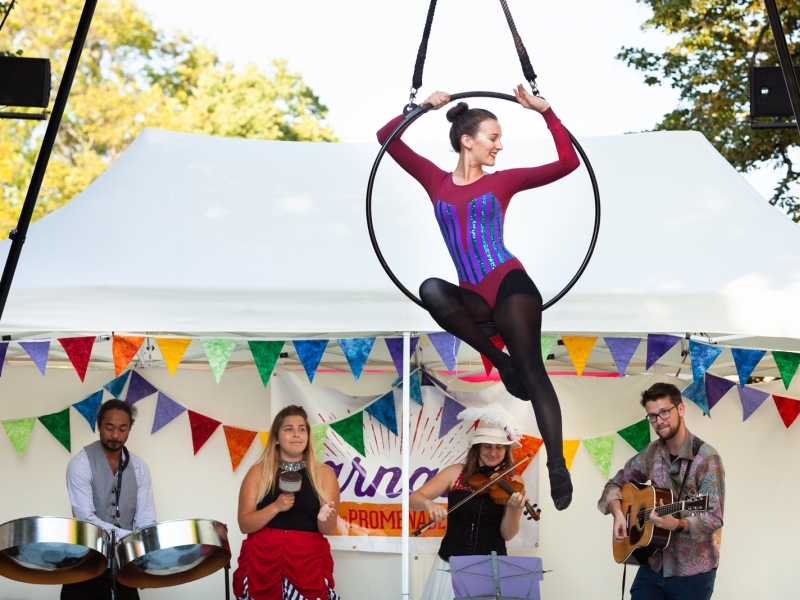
column 239, row 442
column 529, row 445
column 383, row 410
column 351, row 430
column 58, row 425
column 265, row 355
column 657, row 346
column 788, row 408
column 89, row 408
column 356, row 351
column 751, row 399
column 173, row 349
column 38, row 351
column 716, row 388
column 450, row 412
column 702, row 355
column 579, row 349
column 637, row 435
column 600, row 449
column 264, row 436
column 622, row 351
column 19, row 432
column 310, row 353
column 547, row 345
column 395, row 347
column 787, row 363
column 746, row 361
column 696, row 392
column 447, row 345
column 79, row 352
column 570, row 449
column 218, row 352
column 115, row 386
column 487, row 364
column 167, row 410
column 318, row 435
column 123, row 349
column 202, row 429
column 3, row 350
column 138, row 388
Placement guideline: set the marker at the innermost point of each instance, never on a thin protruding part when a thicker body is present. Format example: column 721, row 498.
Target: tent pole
column 406, row 421
column 17, row 236
column 784, row 58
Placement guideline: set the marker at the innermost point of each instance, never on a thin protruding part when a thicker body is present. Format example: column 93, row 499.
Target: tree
column 718, row 41
column 134, row 76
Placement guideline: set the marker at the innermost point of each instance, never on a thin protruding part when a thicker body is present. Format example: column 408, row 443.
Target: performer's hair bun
column 456, row 111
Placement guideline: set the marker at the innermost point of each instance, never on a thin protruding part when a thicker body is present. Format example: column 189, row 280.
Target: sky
column 358, row 57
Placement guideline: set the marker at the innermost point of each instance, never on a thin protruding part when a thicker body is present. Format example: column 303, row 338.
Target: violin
column 501, row 490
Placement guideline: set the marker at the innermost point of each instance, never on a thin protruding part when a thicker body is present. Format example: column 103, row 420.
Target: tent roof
column 200, row 235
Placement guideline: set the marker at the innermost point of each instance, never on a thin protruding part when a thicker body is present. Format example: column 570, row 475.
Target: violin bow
column 476, row 492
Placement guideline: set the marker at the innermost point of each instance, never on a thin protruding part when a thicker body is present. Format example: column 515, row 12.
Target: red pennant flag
column 79, row 351
column 124, row 348
column 239, row 442
column 530, row 445
column 788, row 408
column 487, row 364
column 202, row 428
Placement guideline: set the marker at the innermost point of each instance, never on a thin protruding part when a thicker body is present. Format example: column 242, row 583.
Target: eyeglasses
column 664, row 414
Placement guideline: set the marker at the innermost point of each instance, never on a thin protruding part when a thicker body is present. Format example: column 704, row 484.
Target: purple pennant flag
column 310, row 353
column 38, row 352
column 383, row 410
column 430, row 380
column 395, row 346
column 702, row 356
column 446, row 345
column 166, row 411
column 696, row 392
column 3, row 350
column 138, row 388
column 658, row 345
column 746, row 361
column 622, row 350
column 751, row 399
column 716, row 388
column 90, row 407
column 449, row 416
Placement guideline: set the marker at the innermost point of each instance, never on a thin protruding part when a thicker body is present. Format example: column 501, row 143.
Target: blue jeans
column 650, row 585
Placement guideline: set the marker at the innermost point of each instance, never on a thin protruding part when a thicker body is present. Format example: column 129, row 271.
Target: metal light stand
column 785, row 59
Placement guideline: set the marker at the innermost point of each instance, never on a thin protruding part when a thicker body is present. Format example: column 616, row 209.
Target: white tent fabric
column 194, row 234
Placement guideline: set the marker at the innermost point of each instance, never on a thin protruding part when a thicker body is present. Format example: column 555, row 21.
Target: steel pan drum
column 172, row 553
column 52, row 550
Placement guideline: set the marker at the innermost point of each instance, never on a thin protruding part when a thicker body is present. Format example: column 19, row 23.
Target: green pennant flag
column 352, row 430
column 547, row 344
column 265, row 355
column 19, row 432
column 58, row 425
column 787, row 365
column 218, row 352
column 637, row 435
column 601, row 449
column 318, row 435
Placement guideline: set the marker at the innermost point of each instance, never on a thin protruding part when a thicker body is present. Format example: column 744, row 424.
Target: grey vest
column 104, row 486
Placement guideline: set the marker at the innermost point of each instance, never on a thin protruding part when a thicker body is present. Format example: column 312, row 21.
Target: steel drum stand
column 113, row 561
column 228, row 581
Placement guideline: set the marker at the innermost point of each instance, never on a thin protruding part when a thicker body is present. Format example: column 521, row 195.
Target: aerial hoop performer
column 494, row 289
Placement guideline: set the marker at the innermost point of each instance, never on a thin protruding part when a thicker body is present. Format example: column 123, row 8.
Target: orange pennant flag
column 530, row 445
column 264, row 435
column 172, row 349
column 239, row 442
column 570, row 448
column 124, row 348
column 579, row 349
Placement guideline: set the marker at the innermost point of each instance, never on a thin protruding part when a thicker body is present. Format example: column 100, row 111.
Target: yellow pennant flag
column 264, row 435
column 570, row 448
column 172, row 349
column 579, row 349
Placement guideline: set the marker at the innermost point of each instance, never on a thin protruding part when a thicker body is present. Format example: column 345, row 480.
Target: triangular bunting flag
column 218, row 353
column 318, row 435
column 788, row 408
column 124, row 348
column 19, row 432
column 416, row 387
column 446, row 344
column 431, row 381
column 383, row 410
column 450, row 412
column 637, row 435
column 622, row 351
column 173, row 349
column 264, row 436
column 90, row 407
column 547, row 345
column 579, row 349
column 239, row 442
column 38, row 352
column 79, row 352
column 696, row 392
column 751, row 399
column 787, row 363
column 356, row 351
column 138, row 388
column 702, row 356
column 570, row 449
column 58, row 425
column 601, row 448
column 115, row 386
column 265, row 355
column 310, row 353
column 487, row 364
column 530, row 445
column 352, row 431
column 166, row 411
column 716, row 388
column 658, row 345
column 202, row 428
column 395, row 346
column 746, row 361
column 3, row 350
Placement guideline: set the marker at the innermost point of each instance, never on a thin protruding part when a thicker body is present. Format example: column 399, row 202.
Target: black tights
column 517, row 317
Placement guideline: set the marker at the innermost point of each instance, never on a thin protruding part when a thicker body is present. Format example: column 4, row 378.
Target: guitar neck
column 668, row 509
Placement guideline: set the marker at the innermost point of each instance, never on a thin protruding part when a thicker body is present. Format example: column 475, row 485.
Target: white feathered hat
column 496, row 425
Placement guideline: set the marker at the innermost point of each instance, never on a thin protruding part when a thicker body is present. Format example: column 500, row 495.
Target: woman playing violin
column 481, row 525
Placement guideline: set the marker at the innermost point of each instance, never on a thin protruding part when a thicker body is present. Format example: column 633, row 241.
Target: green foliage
column 133, row 76
column 717, row 41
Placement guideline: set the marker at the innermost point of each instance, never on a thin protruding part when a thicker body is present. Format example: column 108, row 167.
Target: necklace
column 292, row 466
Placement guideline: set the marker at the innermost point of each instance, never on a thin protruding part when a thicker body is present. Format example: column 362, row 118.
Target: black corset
column 303, row 515
column 473, row 528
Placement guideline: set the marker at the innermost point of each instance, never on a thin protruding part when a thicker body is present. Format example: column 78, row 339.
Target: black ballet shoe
column 560, row 483
column 513, row 386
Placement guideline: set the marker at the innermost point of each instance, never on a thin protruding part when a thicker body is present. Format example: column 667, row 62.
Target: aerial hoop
column 415, row 113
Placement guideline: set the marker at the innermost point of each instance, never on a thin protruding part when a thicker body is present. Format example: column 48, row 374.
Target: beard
column 112, row 445
column 671, row 431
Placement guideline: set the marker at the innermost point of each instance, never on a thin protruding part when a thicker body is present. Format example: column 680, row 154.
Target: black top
column 303, row 515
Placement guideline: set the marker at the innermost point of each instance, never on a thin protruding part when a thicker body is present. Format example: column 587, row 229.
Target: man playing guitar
column 679, row 461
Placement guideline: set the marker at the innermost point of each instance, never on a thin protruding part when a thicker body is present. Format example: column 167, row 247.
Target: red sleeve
column 531, row 177
column 421, row 169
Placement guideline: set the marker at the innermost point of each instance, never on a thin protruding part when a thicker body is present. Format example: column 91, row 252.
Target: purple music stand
column 492, row 577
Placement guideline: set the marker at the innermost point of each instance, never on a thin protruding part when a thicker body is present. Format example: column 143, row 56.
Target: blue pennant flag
column 115, row 386
column 702, row 356
column 356, row 351
column 383, row 410
column 746, row 361
column 622, row 350
column 90, row 407
column 696, row 392
column 415, row 390
column 310, row 353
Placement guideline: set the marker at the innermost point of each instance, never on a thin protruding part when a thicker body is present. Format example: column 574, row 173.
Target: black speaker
column 768, row 94
column 24, row 81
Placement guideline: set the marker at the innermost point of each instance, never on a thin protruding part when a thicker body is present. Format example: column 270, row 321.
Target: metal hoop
column 415, row 114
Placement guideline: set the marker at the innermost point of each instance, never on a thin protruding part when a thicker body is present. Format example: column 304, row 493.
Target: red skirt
column 269, row 555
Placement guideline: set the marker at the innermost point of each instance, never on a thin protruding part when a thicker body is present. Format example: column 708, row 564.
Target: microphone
column 290, row 482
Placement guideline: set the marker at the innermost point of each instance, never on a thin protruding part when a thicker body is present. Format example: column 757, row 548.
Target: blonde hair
column 270, row 459
column 471, row 462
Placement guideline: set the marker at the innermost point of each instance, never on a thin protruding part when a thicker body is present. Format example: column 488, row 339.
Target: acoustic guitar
column 644, row 538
